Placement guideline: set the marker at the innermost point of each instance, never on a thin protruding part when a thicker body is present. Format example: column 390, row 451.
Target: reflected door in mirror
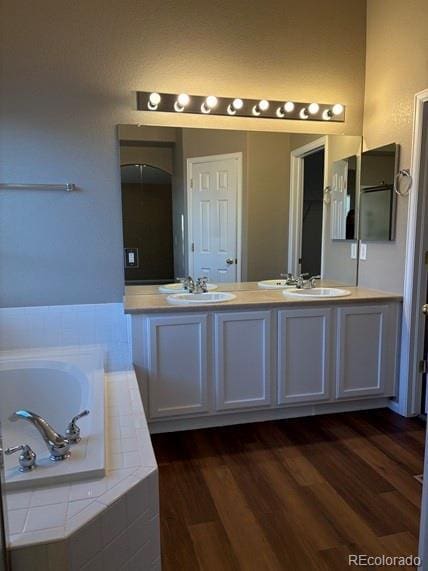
column 213, row 210
column 343, row 199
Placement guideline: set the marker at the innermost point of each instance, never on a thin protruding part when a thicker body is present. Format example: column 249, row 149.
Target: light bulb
column 209, row 103
column 154, row 100
column 313, row 108
column 327, row 115
column 183, row 99
column 337, row 109
column 303, row 113
column 235, row 106
column 287, row 107
column 263, row 105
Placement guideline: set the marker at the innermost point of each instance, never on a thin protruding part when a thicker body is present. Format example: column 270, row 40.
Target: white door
column 213, row 220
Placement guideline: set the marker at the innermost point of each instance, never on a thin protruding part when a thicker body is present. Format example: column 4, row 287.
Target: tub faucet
column 58, row 446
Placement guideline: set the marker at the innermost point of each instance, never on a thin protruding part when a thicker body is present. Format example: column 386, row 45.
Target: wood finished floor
column 292, row 494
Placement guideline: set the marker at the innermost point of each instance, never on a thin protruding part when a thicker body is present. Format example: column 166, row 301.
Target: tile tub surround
column 61, row 325
column 251, row 298
column 109, row 524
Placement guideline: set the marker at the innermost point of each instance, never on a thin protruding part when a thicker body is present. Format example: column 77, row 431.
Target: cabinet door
column 242, row 359
column 177, row 365
column 304, row 355
column 363, row 336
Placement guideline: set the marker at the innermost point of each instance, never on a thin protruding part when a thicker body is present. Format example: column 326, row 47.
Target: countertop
column 147, row 299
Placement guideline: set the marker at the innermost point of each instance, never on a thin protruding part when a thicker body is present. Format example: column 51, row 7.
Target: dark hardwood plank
column 295, row 494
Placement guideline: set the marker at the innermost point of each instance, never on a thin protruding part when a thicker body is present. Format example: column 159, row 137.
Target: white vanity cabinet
column 366, row 350
column 229, row 365
column 242, row 359
column 177, row 364
column 304, row 355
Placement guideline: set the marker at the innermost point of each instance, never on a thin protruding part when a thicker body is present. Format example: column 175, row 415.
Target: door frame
column 415, row 275
column 296, row 201
column 189, row 176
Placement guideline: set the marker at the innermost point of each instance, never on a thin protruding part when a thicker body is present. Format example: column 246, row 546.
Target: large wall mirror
column 236, row 205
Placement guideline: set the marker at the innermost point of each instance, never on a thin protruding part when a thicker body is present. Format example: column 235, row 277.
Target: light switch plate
column 354, row 251
column 363, row 251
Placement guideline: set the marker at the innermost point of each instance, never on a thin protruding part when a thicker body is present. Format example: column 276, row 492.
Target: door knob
column 425, row 309
column 229, row 261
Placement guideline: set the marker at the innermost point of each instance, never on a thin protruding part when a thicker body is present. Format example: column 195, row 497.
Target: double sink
column 179, row 296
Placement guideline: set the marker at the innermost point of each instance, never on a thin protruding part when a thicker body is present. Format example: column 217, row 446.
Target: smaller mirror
column 377, row 198
column 344, row 199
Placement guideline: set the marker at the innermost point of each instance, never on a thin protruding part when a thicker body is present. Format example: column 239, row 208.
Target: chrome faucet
column 73, row 431
column 305, row 281
column 198, row 286
column 58, row 446
column 189, row 284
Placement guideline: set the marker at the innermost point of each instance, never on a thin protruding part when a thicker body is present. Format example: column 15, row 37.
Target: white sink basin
column 273, row 284
column 178, row 288
column 189, row 298
column 318, row 292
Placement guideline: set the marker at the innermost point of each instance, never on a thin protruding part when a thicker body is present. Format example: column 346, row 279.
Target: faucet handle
column 202, row 283
column 73, row 431
column 27, row 458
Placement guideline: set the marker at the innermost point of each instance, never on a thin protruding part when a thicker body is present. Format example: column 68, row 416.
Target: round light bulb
column 313, row 108
column 289, row 106
column 183, row 99
column 154, row 98
column 280, row 113
column 337, row 109
column 303, row 113
column 211, row 101
column 263, row 105
column 237, row 104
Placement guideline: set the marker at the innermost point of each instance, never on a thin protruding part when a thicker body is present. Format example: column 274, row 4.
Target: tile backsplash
column 63, row 325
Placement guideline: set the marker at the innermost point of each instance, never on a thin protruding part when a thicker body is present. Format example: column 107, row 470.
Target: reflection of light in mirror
column 303, row 114
column 327, row 115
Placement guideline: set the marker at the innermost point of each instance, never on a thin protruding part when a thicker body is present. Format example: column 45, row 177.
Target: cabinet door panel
column 242, row 359
column 304, row 355
column 362, row 338
column 177, row 365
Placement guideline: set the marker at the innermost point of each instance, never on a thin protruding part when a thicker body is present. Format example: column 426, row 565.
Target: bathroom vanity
column 262, row 355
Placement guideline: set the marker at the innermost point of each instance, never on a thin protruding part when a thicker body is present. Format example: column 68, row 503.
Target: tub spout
column 58, row 446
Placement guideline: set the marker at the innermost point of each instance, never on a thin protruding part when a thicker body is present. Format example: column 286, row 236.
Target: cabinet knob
column 425, row 309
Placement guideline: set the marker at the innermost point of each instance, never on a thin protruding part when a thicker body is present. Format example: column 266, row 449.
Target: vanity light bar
column 235, row 107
